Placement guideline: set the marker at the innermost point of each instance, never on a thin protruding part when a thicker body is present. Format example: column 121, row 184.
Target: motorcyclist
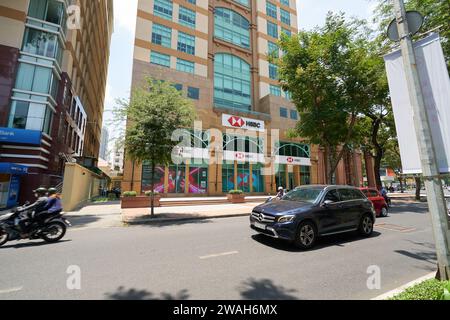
column 33, row 209
column 54, row 205
column 280, row 193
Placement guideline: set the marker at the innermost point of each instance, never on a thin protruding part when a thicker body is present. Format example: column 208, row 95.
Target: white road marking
column 11, row 290
column 218, row 255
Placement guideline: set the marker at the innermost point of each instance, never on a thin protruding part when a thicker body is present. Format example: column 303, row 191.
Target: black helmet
column 52, row 191
column 40, row 191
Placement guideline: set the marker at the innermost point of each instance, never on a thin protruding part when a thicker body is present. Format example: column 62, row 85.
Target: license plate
column 260, row 226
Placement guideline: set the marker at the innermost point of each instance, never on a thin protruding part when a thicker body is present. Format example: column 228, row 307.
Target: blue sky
column 310, row 14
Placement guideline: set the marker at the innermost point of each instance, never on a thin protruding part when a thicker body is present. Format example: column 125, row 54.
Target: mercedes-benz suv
column 308, row 212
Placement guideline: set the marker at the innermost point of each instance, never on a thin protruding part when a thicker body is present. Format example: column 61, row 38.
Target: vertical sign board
column 435, row 84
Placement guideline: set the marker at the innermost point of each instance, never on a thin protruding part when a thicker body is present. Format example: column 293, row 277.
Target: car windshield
column 303, row 194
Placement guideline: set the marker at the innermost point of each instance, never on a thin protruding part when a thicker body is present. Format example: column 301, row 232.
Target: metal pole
column 430, row 169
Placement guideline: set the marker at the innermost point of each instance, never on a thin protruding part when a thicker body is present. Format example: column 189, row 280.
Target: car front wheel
column 384, row 212
column 306, row 236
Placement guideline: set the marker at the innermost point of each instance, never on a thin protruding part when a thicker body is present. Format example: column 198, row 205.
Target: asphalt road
column 218, row 259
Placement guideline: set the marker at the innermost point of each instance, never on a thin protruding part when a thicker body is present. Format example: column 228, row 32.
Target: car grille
column 262, row 217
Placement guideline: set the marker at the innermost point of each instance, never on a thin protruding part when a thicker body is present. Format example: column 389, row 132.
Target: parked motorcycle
column 52, row 229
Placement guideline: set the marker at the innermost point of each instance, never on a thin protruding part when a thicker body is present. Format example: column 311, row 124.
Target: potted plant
column 236, row 196
column 156, row 197
column 130, row 199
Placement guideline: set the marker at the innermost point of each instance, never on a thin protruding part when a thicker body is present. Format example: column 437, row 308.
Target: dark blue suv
column 308, row 212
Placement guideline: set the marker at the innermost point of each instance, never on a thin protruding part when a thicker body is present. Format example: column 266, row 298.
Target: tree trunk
column 418, row 185
column 401, row 184
column 152, row 197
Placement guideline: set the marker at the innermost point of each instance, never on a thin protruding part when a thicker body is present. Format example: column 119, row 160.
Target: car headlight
column 284, row 219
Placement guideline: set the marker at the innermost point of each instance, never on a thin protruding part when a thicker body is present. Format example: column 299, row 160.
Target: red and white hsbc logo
column 242, row 123
column 290, row 159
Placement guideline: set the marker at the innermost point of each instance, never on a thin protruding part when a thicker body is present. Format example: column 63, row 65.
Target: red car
column 381, row 207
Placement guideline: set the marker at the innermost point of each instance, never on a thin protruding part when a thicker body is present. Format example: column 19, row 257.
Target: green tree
column 436, row 13
column 333, row 78
column 391, row 159
column 154, row 112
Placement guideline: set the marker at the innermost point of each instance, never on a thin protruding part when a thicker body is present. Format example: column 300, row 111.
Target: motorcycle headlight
column 284, row 219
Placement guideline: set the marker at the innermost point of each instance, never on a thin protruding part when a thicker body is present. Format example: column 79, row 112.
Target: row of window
column 285, row 113
column 163, row 60
column 162, row 35
column 272, row 11
column 272, row 30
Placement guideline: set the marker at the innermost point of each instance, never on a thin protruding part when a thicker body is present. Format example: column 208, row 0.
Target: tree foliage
column 154, row 112
column 333, row 77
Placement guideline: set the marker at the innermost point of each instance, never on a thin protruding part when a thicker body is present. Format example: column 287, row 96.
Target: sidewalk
column 166, row 214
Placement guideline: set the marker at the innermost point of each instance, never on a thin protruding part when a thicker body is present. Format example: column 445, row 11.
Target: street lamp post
column 430, row 168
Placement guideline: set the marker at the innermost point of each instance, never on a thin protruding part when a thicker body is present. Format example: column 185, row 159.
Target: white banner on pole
column 435, row 84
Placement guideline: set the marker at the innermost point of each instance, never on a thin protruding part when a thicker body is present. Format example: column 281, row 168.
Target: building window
column 36, row 79
column 30, row 116
column 285, row 17
column 273, row 49
column 232, row 82
column 186, row 17
column 186, row 43
column 285, row 2
column 231, row 27
column 198, row 179
column 286, row 32
column 158, row 180
column 185, row 66
column 47, row 10
column 162, row 35
column 193, row 93
column 160, row 59
column 283, row 112
column 287, row 95
column 273, row 71
column 163, row 9
column 243, row 177
column 41, row 43
column 178, row 86
column 280, row 176
column 272, row 29
column 271, row 10
column 177, row 180
column 275, row 90
column 192, row 1
column 294, row 115
column 227, row 177
column 244, row 2
column 257, row 178
column 305, row 175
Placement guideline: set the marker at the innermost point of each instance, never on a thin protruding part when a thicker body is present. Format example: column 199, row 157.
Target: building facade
column 104, row 152
column 53, row 60
column 216, row 52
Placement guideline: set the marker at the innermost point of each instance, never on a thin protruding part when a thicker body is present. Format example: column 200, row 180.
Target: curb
column 402, row 288
column 166, row 220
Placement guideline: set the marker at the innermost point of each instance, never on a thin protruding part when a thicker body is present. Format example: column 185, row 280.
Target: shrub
column 235, row 192
column 149, row 193
column 130, row 194
column 428, row 290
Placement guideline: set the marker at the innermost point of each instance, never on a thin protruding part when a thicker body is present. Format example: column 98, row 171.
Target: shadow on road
column 428, row 256
column 323, row 242
column 82, row 220
column 265, row 289
column 162, row 224
column 134, row 294
column 31, row 244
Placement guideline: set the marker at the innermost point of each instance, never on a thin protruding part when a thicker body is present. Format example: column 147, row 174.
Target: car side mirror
column 326, row 203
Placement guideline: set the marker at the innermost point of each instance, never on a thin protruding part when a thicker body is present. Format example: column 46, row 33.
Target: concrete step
column 167, row 202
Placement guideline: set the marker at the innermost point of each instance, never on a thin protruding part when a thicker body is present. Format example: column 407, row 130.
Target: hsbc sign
column 242, row 123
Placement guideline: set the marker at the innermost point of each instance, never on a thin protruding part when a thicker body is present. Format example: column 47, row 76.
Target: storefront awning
column 12, row 168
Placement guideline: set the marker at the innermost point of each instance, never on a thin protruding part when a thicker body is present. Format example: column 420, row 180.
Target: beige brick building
column 216, row 52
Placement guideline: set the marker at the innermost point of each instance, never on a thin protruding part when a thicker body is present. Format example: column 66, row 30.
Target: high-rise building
column 53, row 59
column 217, row 53
column 103, row 153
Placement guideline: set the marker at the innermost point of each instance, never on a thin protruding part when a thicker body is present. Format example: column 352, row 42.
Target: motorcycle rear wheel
column 54, row 231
